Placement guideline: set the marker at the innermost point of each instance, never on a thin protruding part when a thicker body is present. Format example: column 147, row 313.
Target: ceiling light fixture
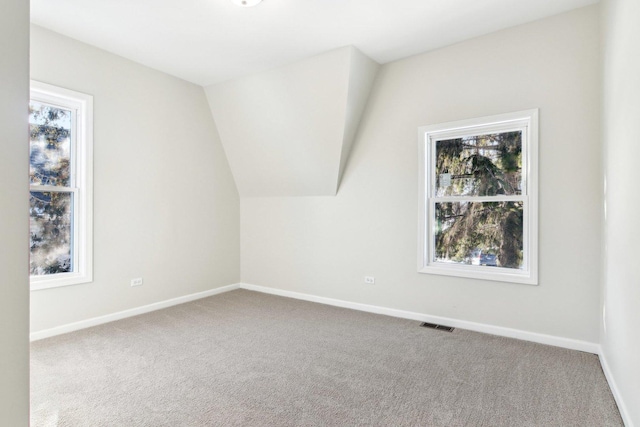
column 246, row 3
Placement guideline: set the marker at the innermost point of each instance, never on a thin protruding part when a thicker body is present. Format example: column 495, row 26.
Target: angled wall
column 288, row 131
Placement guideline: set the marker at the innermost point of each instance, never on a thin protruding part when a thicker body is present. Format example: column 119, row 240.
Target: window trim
column 81, row 186
column 497, row 123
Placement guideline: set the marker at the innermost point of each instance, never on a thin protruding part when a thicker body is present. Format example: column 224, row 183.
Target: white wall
column 14, row 205
column 165, row 204
column 325, row 245
column 621, row 319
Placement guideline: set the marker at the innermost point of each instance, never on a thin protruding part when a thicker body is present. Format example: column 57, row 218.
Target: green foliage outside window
column 50, row 211
column 472, row 231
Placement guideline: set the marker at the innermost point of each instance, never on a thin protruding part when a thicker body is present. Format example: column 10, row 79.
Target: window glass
column 51, row 232
column 50, row 145
column 479, row 233
column 479, row 165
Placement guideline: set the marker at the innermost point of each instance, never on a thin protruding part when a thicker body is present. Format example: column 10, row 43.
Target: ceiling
column 210, row 41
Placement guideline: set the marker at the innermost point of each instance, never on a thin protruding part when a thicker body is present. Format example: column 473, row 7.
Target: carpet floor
column 249, row 359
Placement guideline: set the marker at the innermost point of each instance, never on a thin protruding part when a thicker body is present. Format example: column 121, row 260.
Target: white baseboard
column 624, row 413
column 568, row 343
column 463, row 324
column 70, row 327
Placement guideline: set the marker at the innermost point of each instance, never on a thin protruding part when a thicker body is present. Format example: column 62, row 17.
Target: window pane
column 51, row 234
column 487, row 233
column 480, row 165
column 50, row 145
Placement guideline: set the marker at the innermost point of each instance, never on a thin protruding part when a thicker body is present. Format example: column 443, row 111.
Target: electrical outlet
column 369, row 279
column 136, row 282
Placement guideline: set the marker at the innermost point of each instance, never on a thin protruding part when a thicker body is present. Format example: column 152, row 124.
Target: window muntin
column 478, row 198
column 60, row 131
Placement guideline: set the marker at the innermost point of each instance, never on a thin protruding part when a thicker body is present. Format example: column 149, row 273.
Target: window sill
column 65, row 279
column 481, row 273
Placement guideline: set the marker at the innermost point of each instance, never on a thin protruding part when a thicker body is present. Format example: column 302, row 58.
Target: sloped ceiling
column 289, row 131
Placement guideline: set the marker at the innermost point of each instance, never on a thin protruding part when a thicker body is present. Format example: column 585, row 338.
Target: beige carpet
column 249, row 359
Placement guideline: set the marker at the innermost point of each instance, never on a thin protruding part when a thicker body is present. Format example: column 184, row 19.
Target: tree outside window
column 60, row 142
column 50, row 211
column 478, row 198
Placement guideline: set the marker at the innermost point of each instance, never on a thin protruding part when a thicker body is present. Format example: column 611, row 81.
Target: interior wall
column 14, row 225
column 324, row 246
column 165, row 204
column 621, row 316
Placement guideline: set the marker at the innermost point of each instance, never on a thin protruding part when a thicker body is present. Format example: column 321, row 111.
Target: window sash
column 433, row 139
column 431, row 233
column 75, row 235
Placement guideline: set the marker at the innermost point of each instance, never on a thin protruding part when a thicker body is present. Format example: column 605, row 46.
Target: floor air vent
column 438, row 327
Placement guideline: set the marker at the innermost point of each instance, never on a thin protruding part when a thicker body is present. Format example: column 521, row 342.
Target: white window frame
column 81, row 185
column 527, row 121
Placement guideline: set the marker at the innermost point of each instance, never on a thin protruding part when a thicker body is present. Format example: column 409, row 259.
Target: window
column 61, row 143
column 478, row 198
